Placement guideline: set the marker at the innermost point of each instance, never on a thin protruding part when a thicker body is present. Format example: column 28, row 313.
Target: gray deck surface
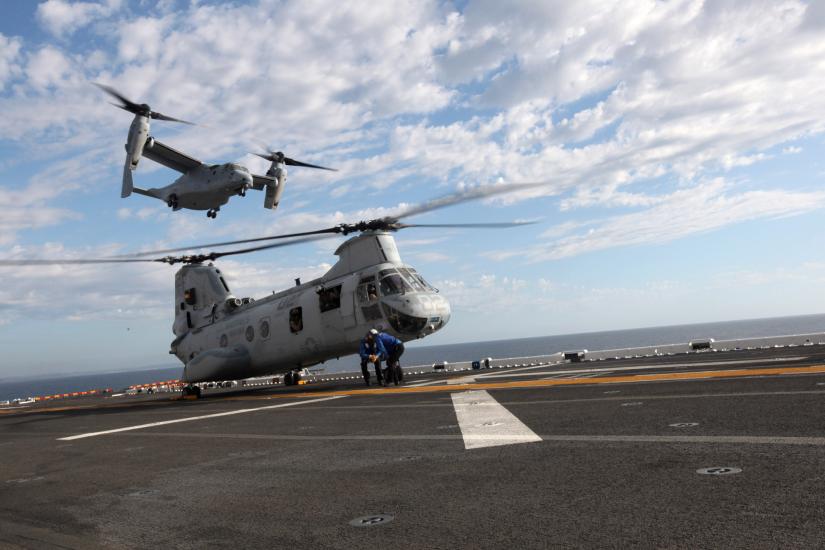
column 609, row 470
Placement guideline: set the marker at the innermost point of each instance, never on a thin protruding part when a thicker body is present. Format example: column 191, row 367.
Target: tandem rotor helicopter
column 201, row 186
column 219, row 336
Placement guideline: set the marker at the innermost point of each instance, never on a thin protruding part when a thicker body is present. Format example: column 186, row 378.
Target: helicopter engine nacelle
column 275, row 190
column 138, row 132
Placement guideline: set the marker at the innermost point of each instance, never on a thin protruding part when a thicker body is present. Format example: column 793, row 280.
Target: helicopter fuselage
column 205, row 187
column 220, row 337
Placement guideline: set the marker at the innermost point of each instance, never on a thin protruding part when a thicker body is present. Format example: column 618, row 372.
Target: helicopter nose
column 443, row 308
column 246, row 178
column 417, row 313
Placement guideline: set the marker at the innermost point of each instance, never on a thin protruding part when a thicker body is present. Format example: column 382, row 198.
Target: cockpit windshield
column 393, row 283
column 240, row 167
column 413, row 275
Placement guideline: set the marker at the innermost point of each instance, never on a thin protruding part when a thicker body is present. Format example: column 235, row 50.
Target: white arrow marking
column 486, row 423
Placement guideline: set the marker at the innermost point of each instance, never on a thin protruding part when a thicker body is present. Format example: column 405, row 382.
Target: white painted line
column 638, row 367
column 486, row 423
column 191, row 418
column 462, row 380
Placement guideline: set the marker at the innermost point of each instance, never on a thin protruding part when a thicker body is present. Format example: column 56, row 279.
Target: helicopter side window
column 367, row 290
column 296, row 320
column 393, row 283
column 189, row 296
column 329, row 298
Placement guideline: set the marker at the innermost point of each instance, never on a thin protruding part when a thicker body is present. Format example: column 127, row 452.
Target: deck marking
column 607, row 370
column 429, row 383
column 486, row 423
column 312, row 394
column 507, row 438
column 191, row 418
column 461, row 380
column 516, row 384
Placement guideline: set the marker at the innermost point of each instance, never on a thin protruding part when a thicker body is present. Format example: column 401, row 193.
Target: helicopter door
column 348, row 301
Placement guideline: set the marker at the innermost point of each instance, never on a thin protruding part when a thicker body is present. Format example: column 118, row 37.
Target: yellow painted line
column 629, row 379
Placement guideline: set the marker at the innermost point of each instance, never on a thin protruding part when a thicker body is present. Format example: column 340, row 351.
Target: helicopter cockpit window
column 296, row 320
column 413, row 279
column 414, row 274
column 367, row 290
column 393, row 283
column 403, row 323
column 329, row 298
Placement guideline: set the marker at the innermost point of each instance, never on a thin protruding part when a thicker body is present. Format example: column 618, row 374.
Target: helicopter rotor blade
column 138, row 109
column 329, row 230
column 472, row 194
column 292, row 162
column 160, row 116
column 389, row 223
column 128, row 104
column 84, row 261
column 278, row 156
column 171, row 260
column 216, row 255
column 487, row 225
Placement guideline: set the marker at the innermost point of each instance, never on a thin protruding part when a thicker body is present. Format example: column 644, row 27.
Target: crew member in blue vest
column 372, row 351
column 395, row 349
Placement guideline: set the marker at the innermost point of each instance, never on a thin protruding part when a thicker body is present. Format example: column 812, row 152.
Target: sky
column 679, row 143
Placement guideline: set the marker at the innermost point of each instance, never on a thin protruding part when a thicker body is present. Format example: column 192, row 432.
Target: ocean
column 422, row 355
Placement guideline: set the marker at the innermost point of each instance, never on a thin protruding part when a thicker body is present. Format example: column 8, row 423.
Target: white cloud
column 117, row 291
column 667, row 107
column 48, row 67
column 61, row 17
column 624, row 105
column 9, row 55
column 698, row 209
column 142, row 38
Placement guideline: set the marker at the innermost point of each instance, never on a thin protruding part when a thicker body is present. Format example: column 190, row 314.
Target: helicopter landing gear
column 173, row 201
column 191, row 391
column 212, row 213
column 291, row 378
column 242, row 192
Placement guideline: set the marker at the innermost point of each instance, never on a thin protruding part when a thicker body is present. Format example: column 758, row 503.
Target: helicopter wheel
column 242, row 192
column 212, row 214
column 173, row 201
column 188, row 391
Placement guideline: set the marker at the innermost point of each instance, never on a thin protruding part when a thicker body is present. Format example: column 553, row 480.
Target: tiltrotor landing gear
column 172, row 202
column 193, row 391
column 292, row 377
column 212, row 213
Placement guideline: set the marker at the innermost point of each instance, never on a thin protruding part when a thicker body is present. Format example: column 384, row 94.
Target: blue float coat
column 376, row 348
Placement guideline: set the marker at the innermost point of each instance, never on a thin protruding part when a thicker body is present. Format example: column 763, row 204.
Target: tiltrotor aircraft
column 201, row 186
column 219, row 336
